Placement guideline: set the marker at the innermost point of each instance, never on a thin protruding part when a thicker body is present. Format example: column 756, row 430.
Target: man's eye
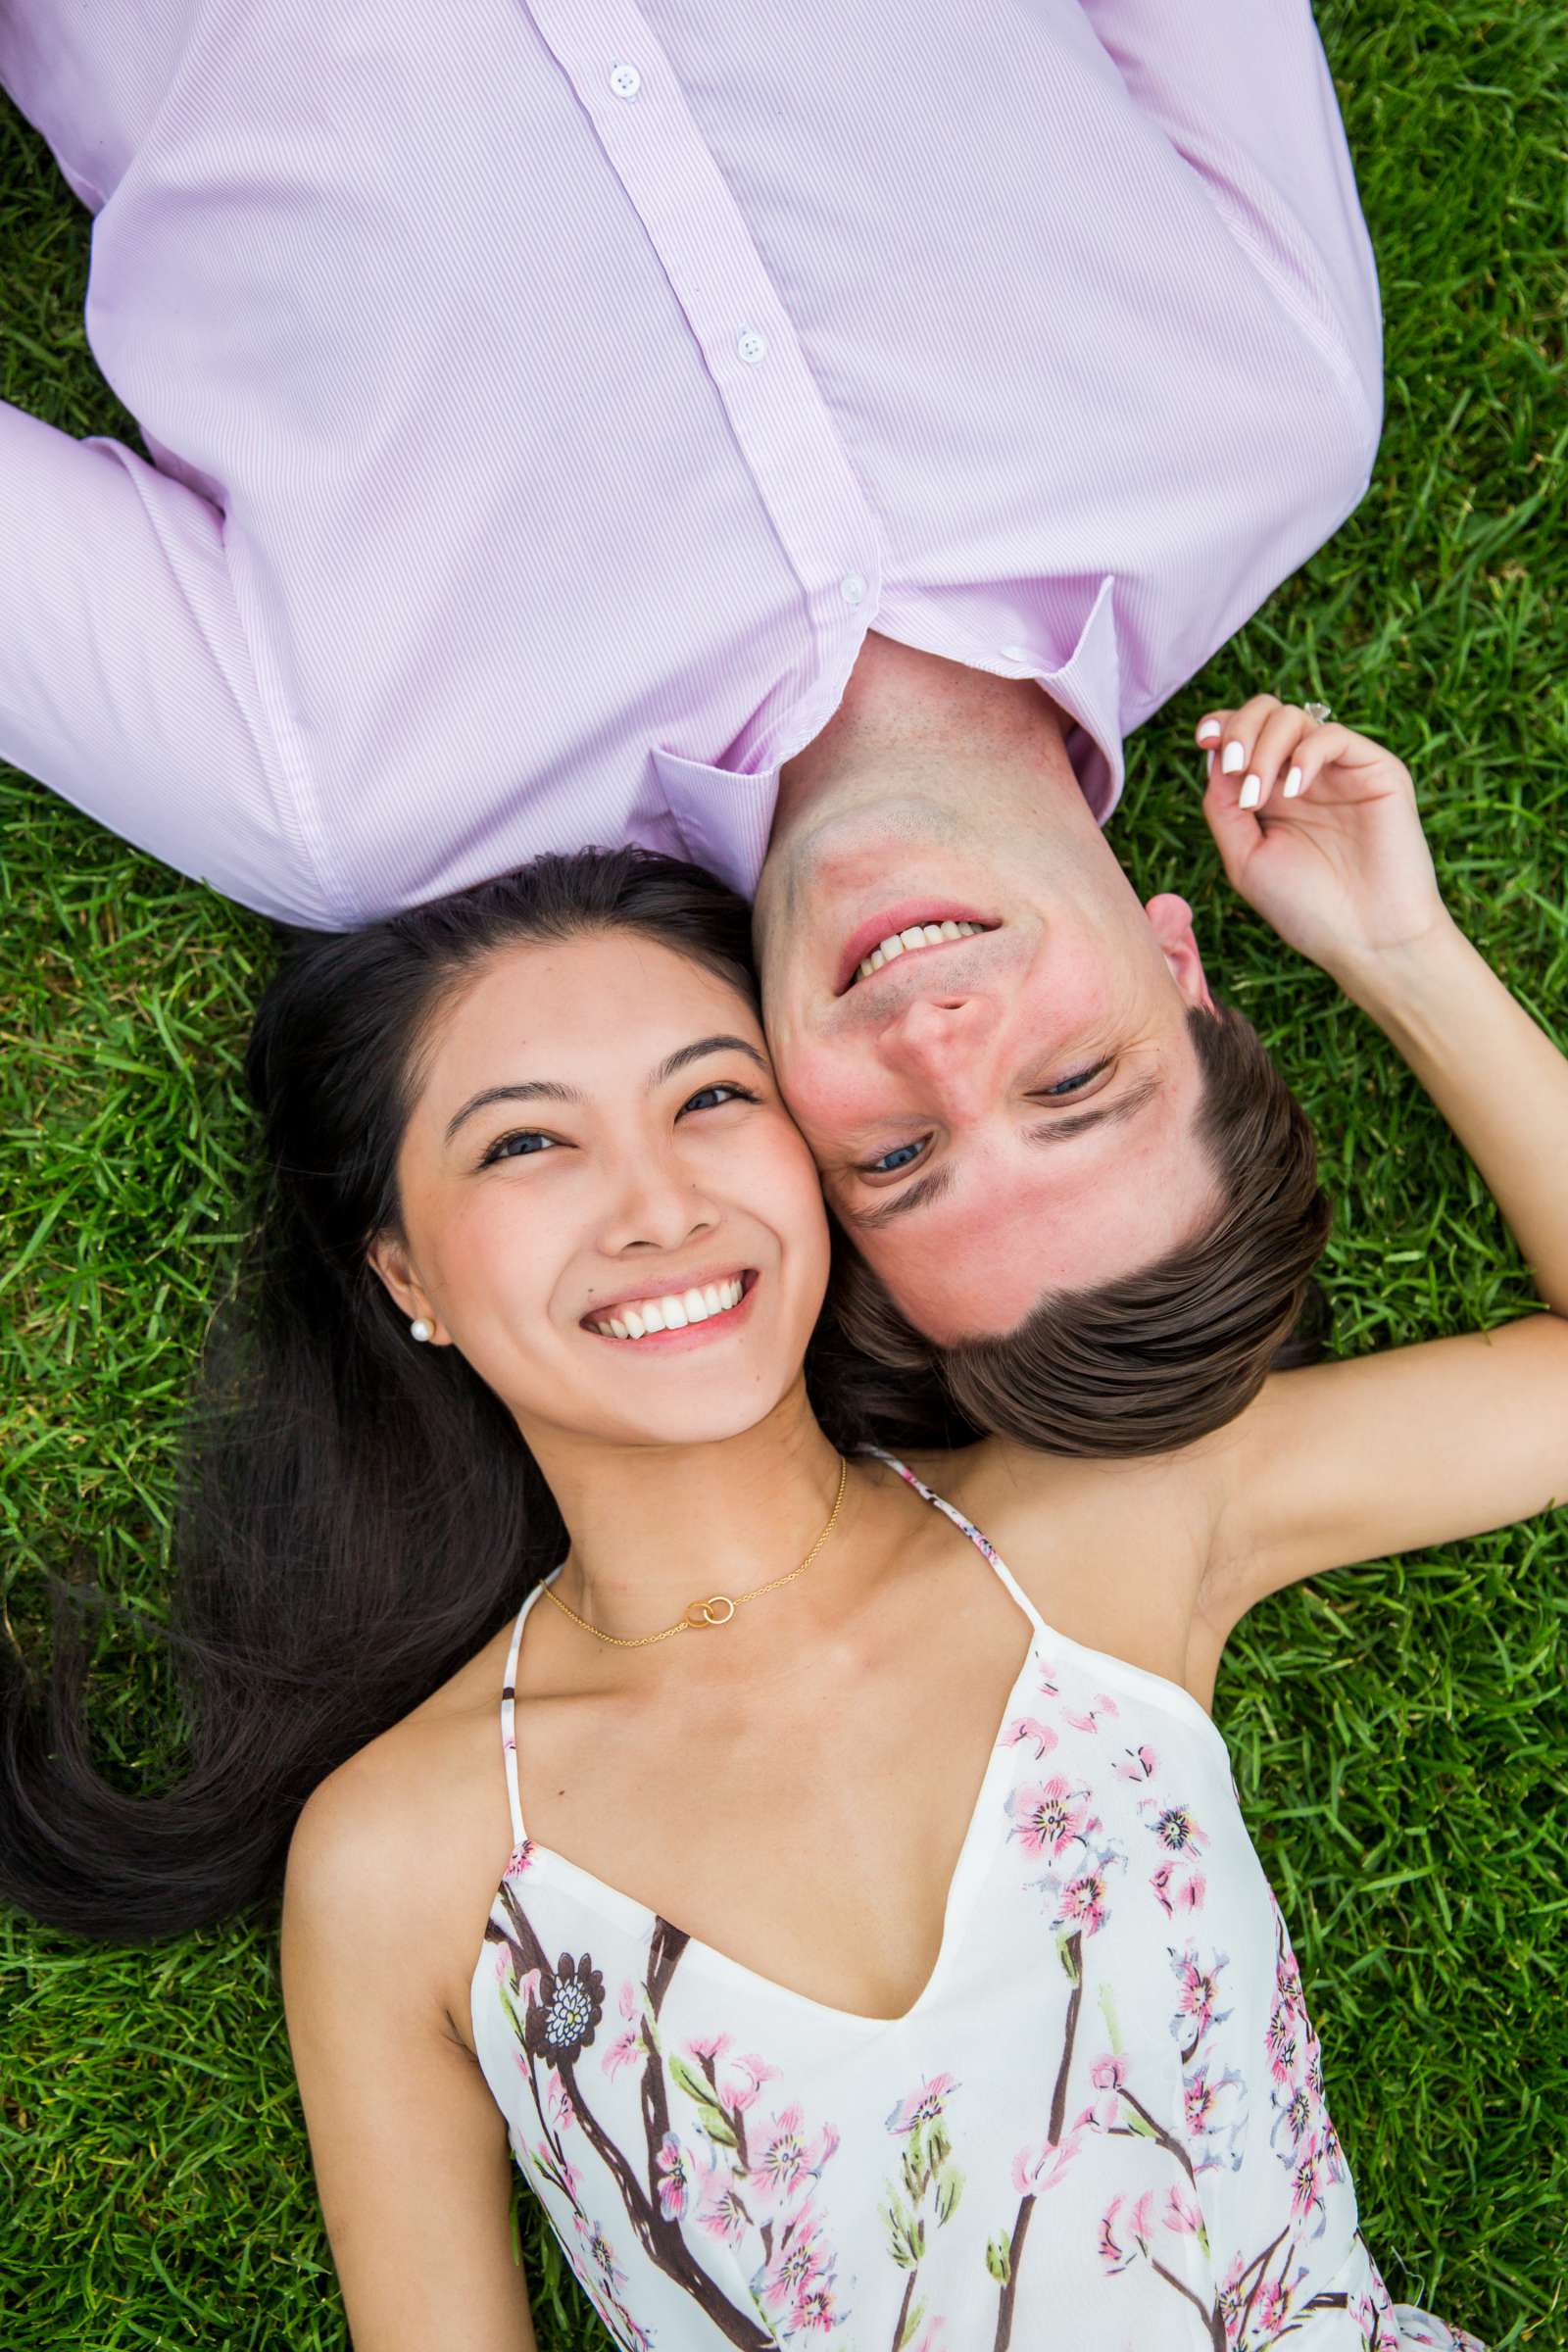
column 1071, row 1086
column 531, row 1139
column 894, row 1162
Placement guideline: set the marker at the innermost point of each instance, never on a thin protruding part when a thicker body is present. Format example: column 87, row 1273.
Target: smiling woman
column 537, row 1279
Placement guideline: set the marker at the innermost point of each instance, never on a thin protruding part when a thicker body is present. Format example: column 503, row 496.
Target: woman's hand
column 1318, row 830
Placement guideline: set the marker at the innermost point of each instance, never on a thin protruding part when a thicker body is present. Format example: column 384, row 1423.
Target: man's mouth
column 902, row 932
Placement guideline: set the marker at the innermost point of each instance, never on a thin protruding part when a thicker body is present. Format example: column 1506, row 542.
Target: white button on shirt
column 458, row 531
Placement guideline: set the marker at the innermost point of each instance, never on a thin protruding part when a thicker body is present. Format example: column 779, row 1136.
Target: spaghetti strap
column 966, row 1526
column 509, row 1711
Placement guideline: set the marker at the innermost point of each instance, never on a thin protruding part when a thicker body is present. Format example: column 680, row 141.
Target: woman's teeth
column 918, row 935
column 672, row 1313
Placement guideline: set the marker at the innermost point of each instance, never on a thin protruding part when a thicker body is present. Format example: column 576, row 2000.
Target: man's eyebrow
column 926, row 1189
column 914, row 1196
column 1127, row 1105
column 550, row 1090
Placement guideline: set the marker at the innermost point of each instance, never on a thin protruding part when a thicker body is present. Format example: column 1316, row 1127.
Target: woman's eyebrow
column 528, row 1090
column 550, row 1090
column 677, row 1062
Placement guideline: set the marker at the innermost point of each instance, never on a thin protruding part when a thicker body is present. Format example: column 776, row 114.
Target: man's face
column 999, row 1115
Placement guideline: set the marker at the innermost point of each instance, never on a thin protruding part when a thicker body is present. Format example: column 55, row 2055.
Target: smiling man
column 980, row 1030
column 687, row 433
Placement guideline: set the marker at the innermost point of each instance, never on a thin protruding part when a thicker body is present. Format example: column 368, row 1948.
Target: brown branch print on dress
column 561, row 2021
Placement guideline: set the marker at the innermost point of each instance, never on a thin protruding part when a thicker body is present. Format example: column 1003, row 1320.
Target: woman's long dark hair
column 357, row 1515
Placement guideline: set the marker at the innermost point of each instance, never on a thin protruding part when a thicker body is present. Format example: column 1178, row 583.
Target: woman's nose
column 658, row 1207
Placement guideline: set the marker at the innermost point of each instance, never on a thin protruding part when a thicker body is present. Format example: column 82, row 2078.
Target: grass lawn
column 1399, row 1731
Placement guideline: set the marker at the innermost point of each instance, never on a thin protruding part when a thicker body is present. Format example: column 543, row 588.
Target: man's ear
column 388, row 1257
column 1170, row 918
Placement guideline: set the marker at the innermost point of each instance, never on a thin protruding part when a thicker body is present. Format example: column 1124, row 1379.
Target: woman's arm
column 1422, row 1444
column 408, row 2148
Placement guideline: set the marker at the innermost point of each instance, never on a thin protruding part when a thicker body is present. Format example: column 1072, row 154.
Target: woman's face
column 597, row 1135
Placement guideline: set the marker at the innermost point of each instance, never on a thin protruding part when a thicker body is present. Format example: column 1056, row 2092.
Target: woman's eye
column 711, row 1098
column 894, row 1162
column 529, row 1137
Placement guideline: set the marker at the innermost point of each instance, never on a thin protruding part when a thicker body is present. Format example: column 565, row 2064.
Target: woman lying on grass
column 797, row 1966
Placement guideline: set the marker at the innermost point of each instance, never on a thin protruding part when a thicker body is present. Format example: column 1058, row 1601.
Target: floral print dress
column 1100, row 2125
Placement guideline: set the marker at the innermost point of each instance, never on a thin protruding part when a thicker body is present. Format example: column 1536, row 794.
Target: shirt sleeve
column 125, row 681
column 1242, row 91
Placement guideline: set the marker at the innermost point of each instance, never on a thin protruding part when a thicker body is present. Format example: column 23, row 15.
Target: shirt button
column 851, row 587
column 626, row 80
column 751, row 346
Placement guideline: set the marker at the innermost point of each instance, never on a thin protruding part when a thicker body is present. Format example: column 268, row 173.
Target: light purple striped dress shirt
column 544, row 400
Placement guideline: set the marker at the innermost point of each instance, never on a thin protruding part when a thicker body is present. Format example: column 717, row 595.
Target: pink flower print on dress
column 786, row 2158
column 1178, row 1883
column 1137, row 1764
column 1306, row 2193
column 676, row 2185
column 748, row 2077
column 1196, row 1998
column 1107, row 2074
column 924, row 2105
column 628, row 2046
column 1085, row 1901
column 522, row 1858
column 721, row 2212
column 818, row 2312
column 600, row 2252
column 1035, row 2169
column 1089, row 1720
column 798, row 2269
column 1184, row 2215
column 1214, row 2114
column 1121, row 2242
column 1030, row 1727
column 1049, row 1816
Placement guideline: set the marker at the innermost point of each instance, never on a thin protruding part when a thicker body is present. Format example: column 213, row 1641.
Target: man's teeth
column 672, row 1313
column 918, row 935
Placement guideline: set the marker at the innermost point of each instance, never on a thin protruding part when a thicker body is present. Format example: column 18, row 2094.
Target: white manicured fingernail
column 1233, row 760
column 1293, row 784
column 1251, row 793
column 1208, row 730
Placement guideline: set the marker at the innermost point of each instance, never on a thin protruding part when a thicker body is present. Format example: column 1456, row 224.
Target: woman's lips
column 636, row 1318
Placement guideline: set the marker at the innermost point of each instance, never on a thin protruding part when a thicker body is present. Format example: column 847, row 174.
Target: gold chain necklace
column 715, row 1600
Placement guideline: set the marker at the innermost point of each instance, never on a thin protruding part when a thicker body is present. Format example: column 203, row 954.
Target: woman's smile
column 678, row 1318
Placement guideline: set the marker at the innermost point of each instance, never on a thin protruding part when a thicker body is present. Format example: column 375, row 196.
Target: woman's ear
column 388, row 1257
column 1170, row 918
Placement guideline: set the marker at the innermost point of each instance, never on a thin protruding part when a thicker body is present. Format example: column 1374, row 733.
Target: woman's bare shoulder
column 412, row 1832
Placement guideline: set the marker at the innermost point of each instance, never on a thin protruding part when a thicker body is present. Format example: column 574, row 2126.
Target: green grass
column 1399, row 1731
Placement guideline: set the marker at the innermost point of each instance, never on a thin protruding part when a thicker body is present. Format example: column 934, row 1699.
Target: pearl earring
column 419, row 1329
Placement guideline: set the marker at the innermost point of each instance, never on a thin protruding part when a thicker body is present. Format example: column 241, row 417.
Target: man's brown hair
column 1156, row 1358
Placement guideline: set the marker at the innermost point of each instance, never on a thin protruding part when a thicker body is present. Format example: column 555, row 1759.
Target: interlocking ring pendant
column 705, row 1610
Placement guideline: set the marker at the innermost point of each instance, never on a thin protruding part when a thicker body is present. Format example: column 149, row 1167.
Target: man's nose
column 944, row 1041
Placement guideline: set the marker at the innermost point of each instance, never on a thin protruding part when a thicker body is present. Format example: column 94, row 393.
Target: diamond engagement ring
column 1318, row 712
